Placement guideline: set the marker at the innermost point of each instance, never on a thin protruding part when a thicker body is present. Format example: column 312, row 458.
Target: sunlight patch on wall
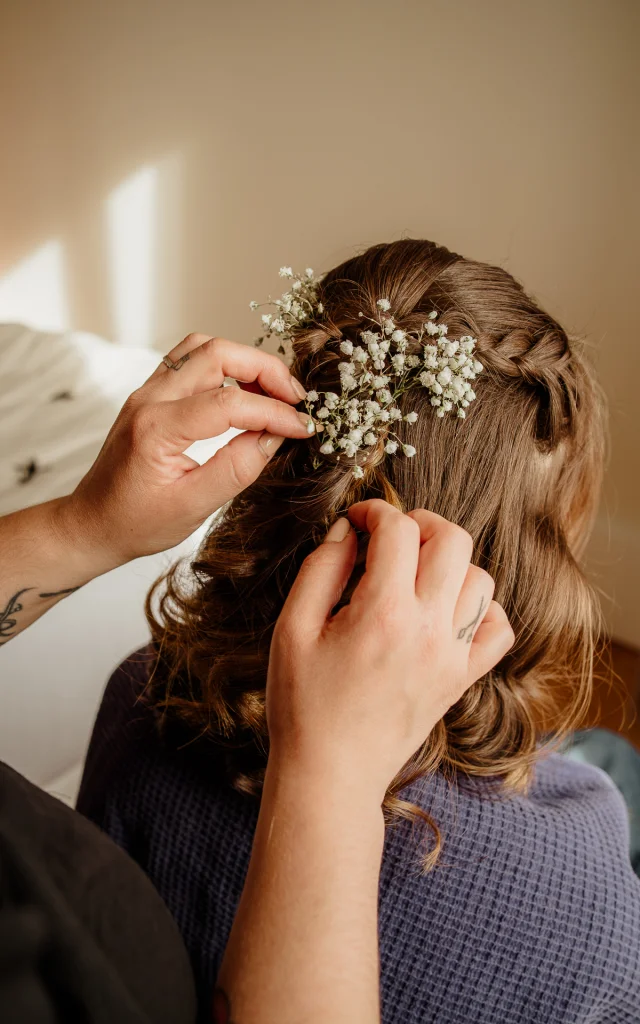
column 33, row 292
column 131, row 213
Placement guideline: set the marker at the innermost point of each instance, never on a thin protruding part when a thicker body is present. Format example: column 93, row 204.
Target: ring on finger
column 168, row 362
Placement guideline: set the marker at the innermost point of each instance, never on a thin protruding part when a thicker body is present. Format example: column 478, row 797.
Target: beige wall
column 287, row 132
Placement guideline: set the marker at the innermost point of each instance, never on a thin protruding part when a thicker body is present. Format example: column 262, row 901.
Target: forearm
column 44, row 556
column 304, row 942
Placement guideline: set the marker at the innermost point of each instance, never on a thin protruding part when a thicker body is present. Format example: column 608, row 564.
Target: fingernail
column 269, row 443
column 298, row 388
column 308, row 422
column 338, row 531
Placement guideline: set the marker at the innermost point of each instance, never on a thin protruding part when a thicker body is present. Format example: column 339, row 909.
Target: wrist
column 291, row 780
column 79, row 531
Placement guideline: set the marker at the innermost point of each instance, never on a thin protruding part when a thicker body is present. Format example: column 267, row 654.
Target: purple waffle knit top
column 531, row 916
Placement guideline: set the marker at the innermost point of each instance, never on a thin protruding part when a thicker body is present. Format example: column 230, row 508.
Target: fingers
column 445, row 554
column 227, row 473
column 321, row 581
column 394, row 546
column 210, row 413
column 492, row 639
column 473, row 602
column 210, row 360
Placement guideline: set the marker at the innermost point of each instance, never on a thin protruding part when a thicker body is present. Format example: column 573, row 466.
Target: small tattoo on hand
column 467, row 631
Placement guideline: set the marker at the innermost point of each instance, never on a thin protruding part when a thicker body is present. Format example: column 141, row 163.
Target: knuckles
column 483, row 578
column 230, row 398
column 211, row 346
column 238, row 470
column 142, row 421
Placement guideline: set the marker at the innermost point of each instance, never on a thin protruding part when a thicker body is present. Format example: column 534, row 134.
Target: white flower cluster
column 387, row 363
column 294, row 308
column 381, row 368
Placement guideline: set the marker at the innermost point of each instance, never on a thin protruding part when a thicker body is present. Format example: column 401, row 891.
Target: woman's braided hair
column 521, row 474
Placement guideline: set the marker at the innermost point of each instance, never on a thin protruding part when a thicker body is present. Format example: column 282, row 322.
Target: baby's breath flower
column 253, row 305
column 381, row 365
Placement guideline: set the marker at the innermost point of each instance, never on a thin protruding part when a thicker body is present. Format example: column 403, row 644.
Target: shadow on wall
column 140, row 236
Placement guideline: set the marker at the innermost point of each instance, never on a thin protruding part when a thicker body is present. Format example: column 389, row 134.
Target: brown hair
column 521, row 474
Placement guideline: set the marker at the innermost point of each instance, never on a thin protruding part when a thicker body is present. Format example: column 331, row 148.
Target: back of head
column 521, row 474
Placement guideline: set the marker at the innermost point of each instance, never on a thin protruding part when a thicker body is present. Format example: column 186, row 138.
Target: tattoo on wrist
column 60, row 593
column 468, row 630
column 221, row 1007
column 7, row 621
column 7, row 624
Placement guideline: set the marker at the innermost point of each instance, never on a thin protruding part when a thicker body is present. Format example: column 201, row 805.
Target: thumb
column 321, row 580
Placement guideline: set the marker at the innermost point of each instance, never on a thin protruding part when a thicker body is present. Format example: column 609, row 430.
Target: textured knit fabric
column 532, row 915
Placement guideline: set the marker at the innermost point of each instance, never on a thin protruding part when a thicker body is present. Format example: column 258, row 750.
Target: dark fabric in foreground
column 532, row 915
column 83, row 935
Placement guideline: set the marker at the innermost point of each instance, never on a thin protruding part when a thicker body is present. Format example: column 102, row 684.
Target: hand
column 143, row 494
column 354, row 695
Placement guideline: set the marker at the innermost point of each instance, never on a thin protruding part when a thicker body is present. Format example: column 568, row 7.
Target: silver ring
column 179, row 362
